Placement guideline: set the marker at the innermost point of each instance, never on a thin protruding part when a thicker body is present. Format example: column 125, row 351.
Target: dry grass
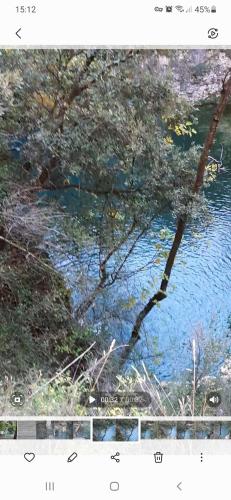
column 60, row 395
column 25, row 218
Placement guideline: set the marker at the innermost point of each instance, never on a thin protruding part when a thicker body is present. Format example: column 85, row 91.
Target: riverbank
column 38, row 332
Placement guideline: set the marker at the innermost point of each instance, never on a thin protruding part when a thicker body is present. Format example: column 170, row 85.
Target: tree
column 98, row 116
column 183, row 218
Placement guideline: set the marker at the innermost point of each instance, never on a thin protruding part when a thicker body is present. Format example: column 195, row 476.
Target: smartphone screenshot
column 115, row 250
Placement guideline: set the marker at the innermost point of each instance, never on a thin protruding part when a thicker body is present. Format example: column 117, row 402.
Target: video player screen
column 114, row 259
column 115, row 239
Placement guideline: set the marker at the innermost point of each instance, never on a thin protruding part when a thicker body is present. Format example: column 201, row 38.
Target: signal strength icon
column 180, row 8
column 189, row 10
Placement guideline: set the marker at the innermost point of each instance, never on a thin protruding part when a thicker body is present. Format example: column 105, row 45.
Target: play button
column 116, row 399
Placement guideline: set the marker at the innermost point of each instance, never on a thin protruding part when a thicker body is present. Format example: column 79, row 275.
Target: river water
column 199, row 299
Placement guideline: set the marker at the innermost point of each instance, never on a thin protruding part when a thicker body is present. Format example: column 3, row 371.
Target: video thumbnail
column 185, row 430
column 32, row 429
column 115, row 430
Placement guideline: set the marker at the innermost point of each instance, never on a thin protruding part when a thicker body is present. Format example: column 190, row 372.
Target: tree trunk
column 161, row 293
column 88, row 303
column 2, row 238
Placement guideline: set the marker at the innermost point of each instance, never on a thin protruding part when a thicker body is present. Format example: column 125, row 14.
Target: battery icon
column 213, row 9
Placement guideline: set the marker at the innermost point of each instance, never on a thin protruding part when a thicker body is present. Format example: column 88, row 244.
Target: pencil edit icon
column 72, row 457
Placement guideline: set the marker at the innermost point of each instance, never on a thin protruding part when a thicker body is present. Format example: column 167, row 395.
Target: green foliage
column 37, row 327
column 102, row 124
column 7, row 429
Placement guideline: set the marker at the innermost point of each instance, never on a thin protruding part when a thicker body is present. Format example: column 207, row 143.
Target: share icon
column 115, row 457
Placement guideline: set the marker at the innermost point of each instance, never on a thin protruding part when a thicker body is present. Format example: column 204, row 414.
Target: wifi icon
column 179, row 8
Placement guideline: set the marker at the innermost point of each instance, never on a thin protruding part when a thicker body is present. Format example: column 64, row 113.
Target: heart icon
column 29, row 457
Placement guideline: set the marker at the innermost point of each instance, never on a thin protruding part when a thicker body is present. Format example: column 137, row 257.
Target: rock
column 208, row 382
column 225, row 370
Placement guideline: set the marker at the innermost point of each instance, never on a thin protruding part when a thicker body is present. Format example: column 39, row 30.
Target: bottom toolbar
column 154, row 475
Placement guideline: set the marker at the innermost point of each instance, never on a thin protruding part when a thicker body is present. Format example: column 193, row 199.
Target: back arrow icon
column 179, row 486
column 17, row 33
